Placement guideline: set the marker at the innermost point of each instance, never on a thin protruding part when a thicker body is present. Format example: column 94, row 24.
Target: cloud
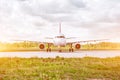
column 30, row 18
column 78, row 3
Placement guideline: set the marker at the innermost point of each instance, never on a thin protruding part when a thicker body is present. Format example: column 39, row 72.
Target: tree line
column 28, row 44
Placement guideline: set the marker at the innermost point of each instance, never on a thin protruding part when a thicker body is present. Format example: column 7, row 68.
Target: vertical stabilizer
column 59, row 27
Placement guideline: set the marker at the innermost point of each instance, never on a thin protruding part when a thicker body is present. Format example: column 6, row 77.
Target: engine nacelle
column 42, row 46
column 77, row 46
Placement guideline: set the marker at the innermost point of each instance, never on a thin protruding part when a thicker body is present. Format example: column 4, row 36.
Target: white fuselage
column 60, row 40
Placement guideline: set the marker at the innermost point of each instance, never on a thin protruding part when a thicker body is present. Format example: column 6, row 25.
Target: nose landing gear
column 60, row 50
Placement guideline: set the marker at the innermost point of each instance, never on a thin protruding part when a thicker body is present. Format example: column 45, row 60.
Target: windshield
column 60, row 37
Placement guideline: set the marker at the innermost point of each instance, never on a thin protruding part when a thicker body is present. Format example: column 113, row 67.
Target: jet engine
column 42, row 46
column 77, row 46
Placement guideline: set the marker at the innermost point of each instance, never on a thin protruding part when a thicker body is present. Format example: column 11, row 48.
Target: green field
column 86, row 68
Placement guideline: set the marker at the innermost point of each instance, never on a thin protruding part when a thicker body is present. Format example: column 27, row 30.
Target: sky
column 33, row 19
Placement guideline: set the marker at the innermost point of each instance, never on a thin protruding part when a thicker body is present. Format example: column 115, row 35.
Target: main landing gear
column 48, row 49
column 71, row 48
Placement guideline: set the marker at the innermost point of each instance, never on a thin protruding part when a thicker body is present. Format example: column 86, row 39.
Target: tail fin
column 59, row 27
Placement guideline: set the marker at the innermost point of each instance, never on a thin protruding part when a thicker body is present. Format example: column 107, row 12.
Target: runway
column 78, row 54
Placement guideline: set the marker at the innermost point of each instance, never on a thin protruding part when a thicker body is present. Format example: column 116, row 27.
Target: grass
column 86, row 68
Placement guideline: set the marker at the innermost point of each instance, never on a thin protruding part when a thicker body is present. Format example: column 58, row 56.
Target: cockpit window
column 60, row 36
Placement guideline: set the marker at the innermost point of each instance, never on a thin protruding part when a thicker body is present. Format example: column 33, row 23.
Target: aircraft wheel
column 60, row 50
column 71, row 50
column 48, row 50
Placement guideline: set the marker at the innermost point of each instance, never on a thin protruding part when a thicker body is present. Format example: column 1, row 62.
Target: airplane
column 61, row 41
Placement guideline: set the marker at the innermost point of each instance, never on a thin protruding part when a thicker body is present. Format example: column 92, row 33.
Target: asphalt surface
column 77, row 54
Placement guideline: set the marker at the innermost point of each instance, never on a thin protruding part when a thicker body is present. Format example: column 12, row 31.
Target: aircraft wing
column 48, row 38
column 72, row 38
column 46, row 41
column 85, row 41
